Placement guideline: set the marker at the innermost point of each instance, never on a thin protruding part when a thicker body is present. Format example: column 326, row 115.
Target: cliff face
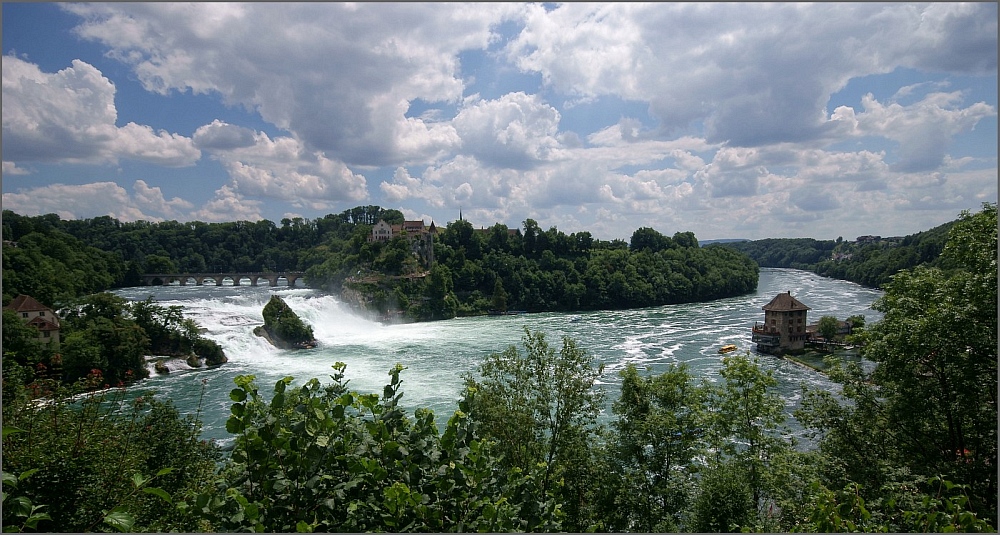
column 283, row 328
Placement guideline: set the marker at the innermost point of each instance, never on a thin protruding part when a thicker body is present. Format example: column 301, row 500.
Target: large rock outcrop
column 283, row 328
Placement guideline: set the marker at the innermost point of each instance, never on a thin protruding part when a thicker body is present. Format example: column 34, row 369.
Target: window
column 45, row 334
column 24, row 314
column 41, row 313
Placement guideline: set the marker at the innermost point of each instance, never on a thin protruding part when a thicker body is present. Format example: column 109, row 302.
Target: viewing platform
column 199, row 278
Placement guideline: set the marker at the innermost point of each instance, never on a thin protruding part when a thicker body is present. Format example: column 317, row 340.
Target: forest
column 474, row 270
column 908, row 444
column 870, row 263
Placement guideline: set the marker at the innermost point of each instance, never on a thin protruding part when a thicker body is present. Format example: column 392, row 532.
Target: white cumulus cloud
column 69, row 116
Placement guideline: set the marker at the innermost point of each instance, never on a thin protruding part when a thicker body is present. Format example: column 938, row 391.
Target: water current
column 438, row 354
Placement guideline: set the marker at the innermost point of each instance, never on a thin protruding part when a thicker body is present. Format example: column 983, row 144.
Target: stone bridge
column 199, row 278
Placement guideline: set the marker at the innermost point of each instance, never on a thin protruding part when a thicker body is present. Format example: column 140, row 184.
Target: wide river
column 438, row 354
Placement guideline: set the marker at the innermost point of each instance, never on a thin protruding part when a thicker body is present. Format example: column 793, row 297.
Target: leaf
column 120, row 520
column 8, row 430
column 21, row 506
column 33, row 520
column 162, row 494
column 237, row 395
column 164, row 471
column 26, row 474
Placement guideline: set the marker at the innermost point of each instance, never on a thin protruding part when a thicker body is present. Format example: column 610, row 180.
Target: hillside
column 871, row 262
column 415, row 272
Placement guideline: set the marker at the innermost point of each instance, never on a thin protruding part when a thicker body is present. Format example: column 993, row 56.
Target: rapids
column 438, row 354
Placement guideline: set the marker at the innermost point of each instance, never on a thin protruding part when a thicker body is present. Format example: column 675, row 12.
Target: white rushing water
column 438, row 354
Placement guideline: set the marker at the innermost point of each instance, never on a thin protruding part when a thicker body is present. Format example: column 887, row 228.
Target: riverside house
column 38, row 316
column 784, row 327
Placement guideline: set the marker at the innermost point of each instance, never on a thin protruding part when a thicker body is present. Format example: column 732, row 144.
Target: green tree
column 925, row 409
column 441, row 303
column 499, row 300
column 540, row 406
column 285, row 324
column 747, row 426
column 828, row 327
column 324, row 458
column 658, row 433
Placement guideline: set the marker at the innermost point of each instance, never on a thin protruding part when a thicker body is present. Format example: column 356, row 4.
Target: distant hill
column 723, row 240
column 871, row 262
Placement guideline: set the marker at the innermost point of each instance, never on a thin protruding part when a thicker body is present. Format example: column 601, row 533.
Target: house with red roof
column 38, row 316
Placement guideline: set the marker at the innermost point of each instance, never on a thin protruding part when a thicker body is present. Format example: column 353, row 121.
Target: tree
column 325, row 458
column 441, row 301
column 499, row 301
column 646, row 238
column 747, row 424
column 828, row 327
column 925, row 410
column 658, row 433
column 284, row 324
column 540, row 406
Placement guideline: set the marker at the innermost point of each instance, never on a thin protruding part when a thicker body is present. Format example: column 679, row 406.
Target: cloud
column 219, row 135
column 748, row 74
column 516, row 131
column 150, row 199
column 280, row 168
column 96, row 199
column 229, row 205
column 340, row 76
column 11, row 168
column 923, row 130
column 69, row 117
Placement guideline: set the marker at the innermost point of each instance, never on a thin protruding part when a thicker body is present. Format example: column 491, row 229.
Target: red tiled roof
column 26, row 303
column 784, row 303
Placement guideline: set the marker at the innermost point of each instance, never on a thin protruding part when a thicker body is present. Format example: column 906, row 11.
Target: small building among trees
column 784, row 327
column 38, row 316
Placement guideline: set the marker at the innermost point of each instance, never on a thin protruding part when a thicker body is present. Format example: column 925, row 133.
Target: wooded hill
column 869, row 262
column 474, row 270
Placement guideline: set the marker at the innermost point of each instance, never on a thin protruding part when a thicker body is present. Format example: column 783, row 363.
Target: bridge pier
column 199, row 278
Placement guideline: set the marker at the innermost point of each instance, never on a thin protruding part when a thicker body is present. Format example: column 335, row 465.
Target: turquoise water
column 438, row 354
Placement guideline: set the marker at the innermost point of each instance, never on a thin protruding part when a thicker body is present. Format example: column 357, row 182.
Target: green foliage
column 828, row 327
column 749, row 419
column 324, row 458
column 943, row 510
column 88, row 463
column 925, row 409
column 725, row 500
column 540, row 408
column 871, row 264
column 657, row 437
column 284, row 323
column 540, row 269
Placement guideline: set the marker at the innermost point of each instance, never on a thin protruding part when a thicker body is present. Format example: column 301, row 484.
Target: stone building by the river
column 784, row 327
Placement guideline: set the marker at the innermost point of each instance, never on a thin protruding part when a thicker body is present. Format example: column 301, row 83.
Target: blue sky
column 736, row 120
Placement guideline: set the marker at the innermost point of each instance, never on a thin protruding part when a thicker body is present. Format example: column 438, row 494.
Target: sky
column 741, row 120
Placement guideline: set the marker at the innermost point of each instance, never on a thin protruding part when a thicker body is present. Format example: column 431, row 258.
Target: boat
column 727, row 348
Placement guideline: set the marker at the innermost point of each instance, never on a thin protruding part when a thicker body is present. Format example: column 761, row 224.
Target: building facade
column 38, row 316
column 383, row 231
column 784, row 327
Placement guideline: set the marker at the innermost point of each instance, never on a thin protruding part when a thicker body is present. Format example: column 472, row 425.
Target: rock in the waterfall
column 283, row 328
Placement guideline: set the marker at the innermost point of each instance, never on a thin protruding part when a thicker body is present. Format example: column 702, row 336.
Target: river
column 438, row 354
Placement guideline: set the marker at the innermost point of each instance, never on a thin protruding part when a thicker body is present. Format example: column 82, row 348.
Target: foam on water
column 438, row 354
